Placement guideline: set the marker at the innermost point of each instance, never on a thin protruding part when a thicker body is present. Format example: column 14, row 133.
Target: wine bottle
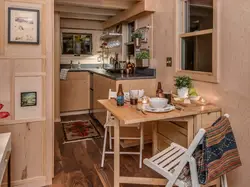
column 120, row 96
column 159, row 91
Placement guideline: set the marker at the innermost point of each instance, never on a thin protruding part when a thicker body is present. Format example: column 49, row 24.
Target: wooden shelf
column 202, row 6
column 129, row 43
column 110, row 35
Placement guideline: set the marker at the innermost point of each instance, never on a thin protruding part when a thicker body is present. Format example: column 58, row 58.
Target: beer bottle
column 120, row 96
column 159, row 91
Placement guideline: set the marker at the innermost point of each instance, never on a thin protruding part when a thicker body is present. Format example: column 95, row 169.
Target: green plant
column 78, row 38
column 183, row 82
column 137, row 34
column 143, row 55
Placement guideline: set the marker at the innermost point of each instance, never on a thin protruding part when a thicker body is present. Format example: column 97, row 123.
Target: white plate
column 168, row 108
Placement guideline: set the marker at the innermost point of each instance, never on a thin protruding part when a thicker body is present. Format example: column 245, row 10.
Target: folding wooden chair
column 110, row 122
column 171, row 161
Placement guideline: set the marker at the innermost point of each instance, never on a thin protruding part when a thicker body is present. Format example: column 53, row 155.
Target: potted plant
column 3, row 114
column 137, row 36
column 142, row 59
column 183, row 83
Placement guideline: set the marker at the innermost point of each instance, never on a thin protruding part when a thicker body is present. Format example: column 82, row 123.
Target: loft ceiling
column 98, row 10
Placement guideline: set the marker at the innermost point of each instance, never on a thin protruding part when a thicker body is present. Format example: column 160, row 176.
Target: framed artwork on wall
column 23, row 26
column 28, row 99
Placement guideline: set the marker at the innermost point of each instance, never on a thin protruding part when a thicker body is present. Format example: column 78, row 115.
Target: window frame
column 74, row 34
column 213, row 76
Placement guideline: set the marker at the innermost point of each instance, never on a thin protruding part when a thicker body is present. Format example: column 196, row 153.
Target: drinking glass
column 134, row 95
column 168, row 95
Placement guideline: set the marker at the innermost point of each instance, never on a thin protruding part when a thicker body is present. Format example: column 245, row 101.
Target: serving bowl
column 195, row 98
column 157, row 102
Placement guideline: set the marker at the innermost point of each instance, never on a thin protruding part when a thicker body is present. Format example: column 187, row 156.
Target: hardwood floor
column 78, row 164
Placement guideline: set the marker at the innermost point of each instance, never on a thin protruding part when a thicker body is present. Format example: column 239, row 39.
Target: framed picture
column 28, row 99
column 23, row 26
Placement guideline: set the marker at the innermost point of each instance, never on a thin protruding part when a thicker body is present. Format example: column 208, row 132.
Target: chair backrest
column 113, row 95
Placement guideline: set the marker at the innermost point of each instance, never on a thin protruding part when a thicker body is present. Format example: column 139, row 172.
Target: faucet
column 71, row 64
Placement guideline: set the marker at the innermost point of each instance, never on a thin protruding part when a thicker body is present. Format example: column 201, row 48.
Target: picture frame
column 28, row 99
column 23, row 26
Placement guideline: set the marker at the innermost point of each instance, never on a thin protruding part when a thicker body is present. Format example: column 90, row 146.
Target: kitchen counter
column 5, row 147
column 140, row 74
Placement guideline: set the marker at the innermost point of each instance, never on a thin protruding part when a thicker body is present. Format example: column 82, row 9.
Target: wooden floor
column 78, row 164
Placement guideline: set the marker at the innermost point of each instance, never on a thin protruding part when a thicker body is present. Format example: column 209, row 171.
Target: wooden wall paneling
column 27, row 150
column 28, row 65
column 28, row 1
column 81, row 24
column 12, row 89
column 24, row 67
column 57, row 61
column 5, row 84
column 49, row 128
column 2, row 24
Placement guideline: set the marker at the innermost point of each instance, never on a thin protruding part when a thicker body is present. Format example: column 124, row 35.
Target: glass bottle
column 120, row 96
column 159, row 91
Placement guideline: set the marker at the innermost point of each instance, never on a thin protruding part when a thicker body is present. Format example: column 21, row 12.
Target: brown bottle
column 159, row 91
column 120, row 96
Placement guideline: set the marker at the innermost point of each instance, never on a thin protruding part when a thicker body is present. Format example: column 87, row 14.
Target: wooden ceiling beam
column 85, row 10
column 83, row 16
column 141, row 8
column 106, row 4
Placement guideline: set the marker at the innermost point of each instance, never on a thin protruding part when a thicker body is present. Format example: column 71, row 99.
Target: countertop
column 5, row 146
column 140, row 74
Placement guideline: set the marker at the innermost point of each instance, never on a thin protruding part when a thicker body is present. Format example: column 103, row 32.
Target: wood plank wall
column 232, row 92
column 29, row 68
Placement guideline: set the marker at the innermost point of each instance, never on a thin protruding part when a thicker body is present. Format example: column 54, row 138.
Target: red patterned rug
column 79, row 130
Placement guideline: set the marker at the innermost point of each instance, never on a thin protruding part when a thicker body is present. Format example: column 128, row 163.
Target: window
column 195, row 36
column 77, row 44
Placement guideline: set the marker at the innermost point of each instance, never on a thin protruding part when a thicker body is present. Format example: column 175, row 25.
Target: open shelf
column 110, row 35
column 201, row 6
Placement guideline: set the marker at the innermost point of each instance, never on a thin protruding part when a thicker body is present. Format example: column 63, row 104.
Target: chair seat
column 166, row 162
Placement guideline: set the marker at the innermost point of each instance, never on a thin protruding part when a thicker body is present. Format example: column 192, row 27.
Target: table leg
column 154, row 138
column 190, row 127
column 117, row 155
column 9, row 172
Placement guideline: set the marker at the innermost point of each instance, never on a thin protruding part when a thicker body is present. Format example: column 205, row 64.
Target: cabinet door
column 74, row 95
column 101, row 86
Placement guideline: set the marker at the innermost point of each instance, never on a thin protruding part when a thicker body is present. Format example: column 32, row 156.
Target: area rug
column 75, row 131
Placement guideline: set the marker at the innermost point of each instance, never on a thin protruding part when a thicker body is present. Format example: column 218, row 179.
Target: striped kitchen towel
column 64, row 74
column 218, row 153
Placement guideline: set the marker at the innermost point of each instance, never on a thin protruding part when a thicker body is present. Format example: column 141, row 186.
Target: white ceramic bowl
column 194, row 98
column 157, row 102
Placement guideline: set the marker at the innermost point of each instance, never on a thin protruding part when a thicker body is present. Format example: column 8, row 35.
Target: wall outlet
column 169, row 62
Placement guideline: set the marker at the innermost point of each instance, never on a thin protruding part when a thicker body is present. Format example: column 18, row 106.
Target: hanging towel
column 218, row 153
column 64, row 74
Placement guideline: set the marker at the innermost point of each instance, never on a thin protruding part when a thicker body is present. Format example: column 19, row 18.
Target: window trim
column 77, row 33
column 213, row 76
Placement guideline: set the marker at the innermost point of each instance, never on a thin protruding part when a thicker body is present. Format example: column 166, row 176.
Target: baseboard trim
column 33, row 182
column 57, row 120
column 74, row 113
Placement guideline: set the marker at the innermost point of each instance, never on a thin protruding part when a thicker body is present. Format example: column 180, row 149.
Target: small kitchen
column 95, row 57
